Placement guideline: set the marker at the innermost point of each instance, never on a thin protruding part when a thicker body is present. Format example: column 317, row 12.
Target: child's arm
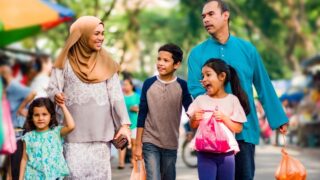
column 235, row 127
column 138, row 151
column 69, row 124
column 23, row 162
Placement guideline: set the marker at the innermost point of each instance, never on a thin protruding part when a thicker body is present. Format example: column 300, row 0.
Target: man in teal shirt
column 243, row 56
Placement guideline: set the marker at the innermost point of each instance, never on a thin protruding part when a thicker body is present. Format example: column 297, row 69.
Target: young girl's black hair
column 40, row 102
column 220, row 66
column 131, row 83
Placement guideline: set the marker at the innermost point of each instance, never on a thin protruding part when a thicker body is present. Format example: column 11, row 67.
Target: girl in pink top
column 228, row 110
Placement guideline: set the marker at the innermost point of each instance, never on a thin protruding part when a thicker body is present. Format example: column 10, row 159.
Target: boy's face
column 165, row 63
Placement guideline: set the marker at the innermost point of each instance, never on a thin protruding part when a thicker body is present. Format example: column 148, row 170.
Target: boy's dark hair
column 40, row 102
column 220, row 66
column 177, row 54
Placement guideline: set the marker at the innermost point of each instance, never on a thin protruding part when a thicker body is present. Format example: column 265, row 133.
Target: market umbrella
column 23, row 18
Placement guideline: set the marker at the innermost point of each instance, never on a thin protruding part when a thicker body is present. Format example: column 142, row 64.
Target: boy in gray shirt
column 159, row 116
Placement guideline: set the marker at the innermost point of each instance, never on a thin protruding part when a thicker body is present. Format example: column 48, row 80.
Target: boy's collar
column 167, row 82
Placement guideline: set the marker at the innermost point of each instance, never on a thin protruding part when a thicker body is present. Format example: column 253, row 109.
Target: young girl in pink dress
column 229, row 112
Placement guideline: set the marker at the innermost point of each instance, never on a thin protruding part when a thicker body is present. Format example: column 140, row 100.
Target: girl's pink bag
column 138, row 171
column 9, row 145
column 210, row 137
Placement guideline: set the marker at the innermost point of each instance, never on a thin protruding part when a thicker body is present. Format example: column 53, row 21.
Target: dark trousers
column 160, row 163
column 245, row 166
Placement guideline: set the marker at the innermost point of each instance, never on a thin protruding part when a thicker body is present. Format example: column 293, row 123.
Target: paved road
column 267, row 160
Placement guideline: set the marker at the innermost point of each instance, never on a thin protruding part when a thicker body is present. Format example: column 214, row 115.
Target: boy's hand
column 138, row 151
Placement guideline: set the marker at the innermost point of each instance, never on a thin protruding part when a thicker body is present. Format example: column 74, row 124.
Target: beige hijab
column 89, row 65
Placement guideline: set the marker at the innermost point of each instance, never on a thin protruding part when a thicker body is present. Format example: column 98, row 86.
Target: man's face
column 212, row 18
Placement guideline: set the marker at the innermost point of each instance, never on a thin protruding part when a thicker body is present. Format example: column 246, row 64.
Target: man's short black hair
column 221, row 4
column 177, row 54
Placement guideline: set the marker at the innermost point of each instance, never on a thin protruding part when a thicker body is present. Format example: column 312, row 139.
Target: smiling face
column 41, row 118
column 96, row 39
column 165, row 64
column 213, row 19
column 212, row 82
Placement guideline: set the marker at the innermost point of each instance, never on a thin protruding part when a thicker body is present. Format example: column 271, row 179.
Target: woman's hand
column 124, row 130
column 59, row 98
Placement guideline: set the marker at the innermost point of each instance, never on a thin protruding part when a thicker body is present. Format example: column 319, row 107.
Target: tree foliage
column 284, row 32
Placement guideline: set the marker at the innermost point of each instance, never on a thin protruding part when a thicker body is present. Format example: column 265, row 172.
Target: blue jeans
column 245, row 161
column 214, row 166
column 160, row 163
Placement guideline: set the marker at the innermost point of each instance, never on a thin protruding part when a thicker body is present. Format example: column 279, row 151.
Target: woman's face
column 96, row 39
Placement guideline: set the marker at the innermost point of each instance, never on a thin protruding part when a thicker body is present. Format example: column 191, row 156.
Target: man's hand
column 283, row 128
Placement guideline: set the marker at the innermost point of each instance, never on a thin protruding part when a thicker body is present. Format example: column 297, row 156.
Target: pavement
column 267, row 159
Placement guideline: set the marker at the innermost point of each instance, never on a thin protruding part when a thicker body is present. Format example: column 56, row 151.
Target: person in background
column 41, row 81
column 16, row 94
column 244, row 57
column 132, row 100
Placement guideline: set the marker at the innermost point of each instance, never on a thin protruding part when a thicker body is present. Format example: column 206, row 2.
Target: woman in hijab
column 85, row 78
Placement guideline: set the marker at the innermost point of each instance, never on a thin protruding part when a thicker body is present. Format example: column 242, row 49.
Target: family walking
column 69, row 133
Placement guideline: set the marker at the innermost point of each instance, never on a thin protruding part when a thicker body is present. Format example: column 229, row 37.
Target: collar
column 215, row 41
column 167, row 82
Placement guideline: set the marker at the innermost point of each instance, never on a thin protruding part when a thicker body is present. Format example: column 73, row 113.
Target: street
column 267, row 159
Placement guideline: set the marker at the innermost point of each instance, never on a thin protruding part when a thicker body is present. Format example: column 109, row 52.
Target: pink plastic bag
column 210, row 137
column 9, row 145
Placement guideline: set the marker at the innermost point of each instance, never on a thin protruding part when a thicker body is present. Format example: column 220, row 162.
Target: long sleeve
column 56, row 83
column 186, row 97
column 266, row 93
column 143, row 106
column 194, row 76
column 119, row 108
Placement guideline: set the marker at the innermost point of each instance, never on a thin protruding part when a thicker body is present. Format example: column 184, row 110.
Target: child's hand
column 59, row 98
column 219, row 116
column 198, row 115
column 134, row 108
column 196, row 118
